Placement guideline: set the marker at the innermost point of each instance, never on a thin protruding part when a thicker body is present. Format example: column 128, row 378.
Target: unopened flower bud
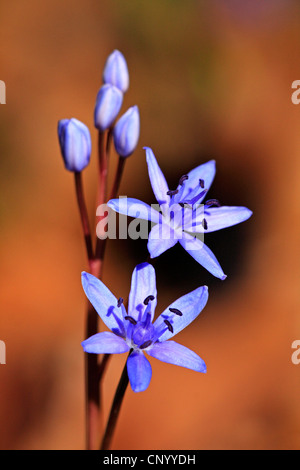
column 116, row 72
column 127, row 131
column 108, row 104
column 75, row 144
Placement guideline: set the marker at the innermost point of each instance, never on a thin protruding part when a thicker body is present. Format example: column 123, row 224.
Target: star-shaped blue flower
column 182, row 217
column 134, row 330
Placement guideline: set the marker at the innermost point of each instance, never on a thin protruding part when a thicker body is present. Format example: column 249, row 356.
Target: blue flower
column 116, row 71
column 134, row 330
column 75, row 144
column 108, row 104
column 126, row 132
column 182, row 217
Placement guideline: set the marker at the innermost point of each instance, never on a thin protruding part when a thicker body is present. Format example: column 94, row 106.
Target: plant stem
column 91, row 360
column 115, row 409
column 102, row 193
column 118, row 177
column 84, row 217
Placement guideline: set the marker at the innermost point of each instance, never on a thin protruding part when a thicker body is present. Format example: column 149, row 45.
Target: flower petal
column 157, row 179
column 174, row 353
column 161, row 238
column 202, row 254
column 139, row 371
column 105, row 343
column 190, row 305
column 205, row 172
column 135, row 208
column 143, row 284
column 225, row 216
column 104, row 302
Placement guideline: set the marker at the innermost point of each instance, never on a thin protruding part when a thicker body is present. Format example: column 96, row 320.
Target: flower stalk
column 103, row 158
column 115, row 409
column 84, row 218
column 91, row 362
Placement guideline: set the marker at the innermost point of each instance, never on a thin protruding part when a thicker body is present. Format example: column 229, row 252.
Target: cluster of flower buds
column 74, row 136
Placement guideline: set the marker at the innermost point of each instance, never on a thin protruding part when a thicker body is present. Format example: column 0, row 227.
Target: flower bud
column 75, row 144
column 116, row 72
column 127, row 131
column 108, row 104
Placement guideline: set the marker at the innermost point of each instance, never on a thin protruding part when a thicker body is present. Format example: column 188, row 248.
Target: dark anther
column 120, row 301
column 204, row 224
column 176, row 311
column 172, row 192
column 212, row 202
column 148, row 299
column 132, row 320
column 185, row 204
column 146, row 344
column 182, row 179
column 170, row 327
column 202, row 183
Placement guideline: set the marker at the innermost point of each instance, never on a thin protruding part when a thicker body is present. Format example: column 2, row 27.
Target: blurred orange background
column 212, row 79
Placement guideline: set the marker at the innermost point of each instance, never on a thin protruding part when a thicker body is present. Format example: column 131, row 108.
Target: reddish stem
column 84, row 217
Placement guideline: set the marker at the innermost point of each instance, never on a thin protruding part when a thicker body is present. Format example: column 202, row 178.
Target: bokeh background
column 212, row 79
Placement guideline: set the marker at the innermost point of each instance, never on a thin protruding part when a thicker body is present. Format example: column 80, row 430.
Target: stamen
column 202, row 183
column 120, row 301
column 196, row 198
column 132, row 320
column 172, row 192
column 146, row 344
column 170, row 327
column 204, row 224
column 182, row 179
column 148, row 299
column 212, row 202
column 176, row 311
column 185, row 204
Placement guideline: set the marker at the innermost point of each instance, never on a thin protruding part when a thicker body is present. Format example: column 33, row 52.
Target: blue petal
column 134, row 208
column 126, row 132
column 221, row 217
column 139, row 371
column 108, row 104
column 105, row 343
column 190, row 305
column 205, row 172
column 116, row 71
column 104, row 302
column 174, row 353
column 157, row 179
column 143, row 284
column 203, row 255
column 161, row 238
column 75, row 143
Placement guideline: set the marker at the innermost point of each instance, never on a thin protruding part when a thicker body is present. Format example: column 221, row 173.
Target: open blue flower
column 134, row 330
column 182, row 217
